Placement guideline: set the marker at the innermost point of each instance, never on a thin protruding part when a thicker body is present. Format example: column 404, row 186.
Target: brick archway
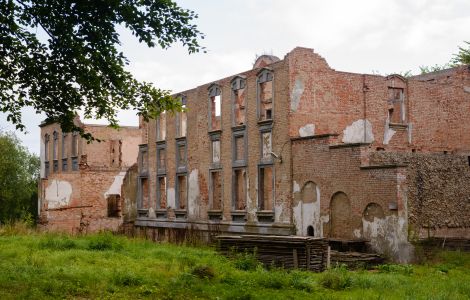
column 340, row 216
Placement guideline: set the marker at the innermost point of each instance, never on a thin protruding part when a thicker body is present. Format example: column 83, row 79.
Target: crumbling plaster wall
column 76, row 200
column 339, row 169
column 438, row 192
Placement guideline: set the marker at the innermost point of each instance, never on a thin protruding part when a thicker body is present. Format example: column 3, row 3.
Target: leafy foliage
column 463, row 57
column 19, row 172
column 59, row 56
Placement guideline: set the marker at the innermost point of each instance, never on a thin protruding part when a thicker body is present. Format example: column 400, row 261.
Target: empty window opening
column 144, row 160
column 468, row 161
column 265, row 188
column 310, row 231
column 215, row 107
column 396, row 112
column 161, row 197
column 239, row 187
column 181, row 152
column 74, row 163
column 265, row 96
column 114, row 206
column 161, row 127
column 56, row 165
column 46, row 147
column 161, row 159
column 64, row 143
column 55, row 150
column 115, row 152
column 182, row 124
column 144, row 193
column 216, row 151
column 240, row 148
column 64, row 164
column 75, row 144
column 182, row 192
column 239, row 111
column 266, row 144
column 216, row 191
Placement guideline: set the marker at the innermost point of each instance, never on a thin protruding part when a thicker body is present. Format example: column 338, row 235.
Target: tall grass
column 50, row 266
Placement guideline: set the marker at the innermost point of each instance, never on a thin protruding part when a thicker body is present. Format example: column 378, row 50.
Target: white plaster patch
column 58, row 193
column 359, row 131
column 115, row 188
column 171, row 198
column 466, row 89
column 152, row 214
column 297, row 92
column 308, row 214
column 388, row 134
column 389, row 236
column 193, row 193
column 296, row 187
column 278, row 212
column 357, row 233
column 307, row 130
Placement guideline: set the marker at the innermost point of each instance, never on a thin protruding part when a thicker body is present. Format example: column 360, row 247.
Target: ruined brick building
column 82, row 185
column 295, row 147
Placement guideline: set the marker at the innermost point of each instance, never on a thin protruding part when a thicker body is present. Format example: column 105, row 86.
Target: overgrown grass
column 50, row 266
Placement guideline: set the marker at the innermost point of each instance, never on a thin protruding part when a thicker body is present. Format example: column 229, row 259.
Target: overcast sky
column 355, row 36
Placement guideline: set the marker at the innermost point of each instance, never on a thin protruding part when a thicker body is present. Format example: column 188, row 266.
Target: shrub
column 203, row 272
column 300, row 281
column 336, row 279
column 246, row 261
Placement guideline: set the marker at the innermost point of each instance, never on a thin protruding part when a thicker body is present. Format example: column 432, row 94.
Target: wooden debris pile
column 355, row 259
column 290, row 252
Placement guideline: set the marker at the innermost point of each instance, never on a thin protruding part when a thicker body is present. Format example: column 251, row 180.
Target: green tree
column 19, row 174
column 78, row 65
column 463, row 57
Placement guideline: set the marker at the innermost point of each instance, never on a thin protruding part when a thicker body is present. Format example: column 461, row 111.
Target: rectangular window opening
column 396, row 105
column 239, row 107
column 161, row 127
column 182, row 191
column 239, row 188
column 216, row 151
column 240, row 148
column 216, row 102
column 266, row 100
column 181, row 155
column 265, row 188
column 144, row 193
column 114, row 206
column 216, row 191
column 161, row 201
column 161, row 160
column 266, row 143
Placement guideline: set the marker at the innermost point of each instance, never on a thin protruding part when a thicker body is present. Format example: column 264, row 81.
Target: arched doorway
column 340, row 216
column 307, row 210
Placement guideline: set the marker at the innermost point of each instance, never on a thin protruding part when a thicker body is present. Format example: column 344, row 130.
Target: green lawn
column 37, row 266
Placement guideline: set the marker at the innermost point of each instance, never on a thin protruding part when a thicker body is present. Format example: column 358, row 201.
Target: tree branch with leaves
column 78, row 66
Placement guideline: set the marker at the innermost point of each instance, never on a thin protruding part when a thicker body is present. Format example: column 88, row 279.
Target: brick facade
column 296, row 147
column 88, row 191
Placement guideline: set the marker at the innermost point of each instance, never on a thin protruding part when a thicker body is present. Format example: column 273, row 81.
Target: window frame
column 214, row 90
column 264, row 75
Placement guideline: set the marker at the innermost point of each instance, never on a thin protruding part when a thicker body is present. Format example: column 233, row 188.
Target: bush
column 203, row 272
column 336, row 279
column 300, row 281
column 246, row 261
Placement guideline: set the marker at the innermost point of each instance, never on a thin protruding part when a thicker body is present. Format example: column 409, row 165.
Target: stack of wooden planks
column 290, row 252
column 355, row 259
